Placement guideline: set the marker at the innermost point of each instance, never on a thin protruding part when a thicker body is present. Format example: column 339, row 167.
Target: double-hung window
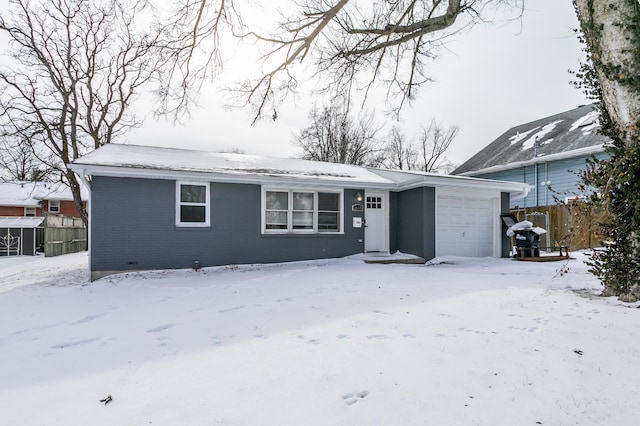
column 192, row 204
column 302, row 211
column 54, row 206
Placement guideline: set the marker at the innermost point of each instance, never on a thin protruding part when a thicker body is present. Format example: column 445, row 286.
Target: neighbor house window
column 302, row 211
column 54, row 206
column 192, row 207
column 30, row 211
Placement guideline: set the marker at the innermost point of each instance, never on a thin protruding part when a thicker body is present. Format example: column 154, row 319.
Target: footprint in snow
column 353, row 397
column 234, row 308
column 377, row 337
column 160, row 328
column 74, row 343
column 85, row 319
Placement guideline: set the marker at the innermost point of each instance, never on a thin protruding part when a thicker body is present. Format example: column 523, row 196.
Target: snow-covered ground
column 333, row 342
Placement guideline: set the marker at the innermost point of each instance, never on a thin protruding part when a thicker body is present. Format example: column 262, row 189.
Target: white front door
column 375, row 215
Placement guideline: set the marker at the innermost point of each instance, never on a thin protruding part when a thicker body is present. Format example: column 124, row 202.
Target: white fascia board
column 276, row 181
column 466, row 183
column 542, row 159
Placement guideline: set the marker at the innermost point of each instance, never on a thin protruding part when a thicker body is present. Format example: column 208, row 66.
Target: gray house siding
column 412, row 222
column 133, row 228
column 554, row 178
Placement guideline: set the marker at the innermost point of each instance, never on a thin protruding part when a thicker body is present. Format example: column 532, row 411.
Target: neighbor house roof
column 568, row 134
column 29, row 194
column 170, row 163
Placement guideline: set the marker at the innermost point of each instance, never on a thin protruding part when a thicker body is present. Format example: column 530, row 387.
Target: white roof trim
column 537, row 160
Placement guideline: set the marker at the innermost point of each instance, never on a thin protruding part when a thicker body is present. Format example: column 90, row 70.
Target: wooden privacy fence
column 64, row 235
column 573, row 225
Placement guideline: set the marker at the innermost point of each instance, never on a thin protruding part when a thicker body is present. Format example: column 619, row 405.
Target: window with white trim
column 302, row 211
column 192, row 204
column 29, row 211
column 54, row 206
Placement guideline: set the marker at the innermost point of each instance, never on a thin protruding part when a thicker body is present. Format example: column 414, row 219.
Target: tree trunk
column 74, row 185
column 612, row 33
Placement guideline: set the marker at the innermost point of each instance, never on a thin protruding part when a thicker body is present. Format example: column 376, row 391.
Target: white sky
column 491, row 79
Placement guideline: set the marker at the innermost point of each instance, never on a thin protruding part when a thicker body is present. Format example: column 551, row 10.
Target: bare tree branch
column 350, row 46
column 78, row 67
column 426, row 153
column 333, row 136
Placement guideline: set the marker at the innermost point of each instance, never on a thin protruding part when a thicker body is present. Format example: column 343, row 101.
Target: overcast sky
column 491, row 79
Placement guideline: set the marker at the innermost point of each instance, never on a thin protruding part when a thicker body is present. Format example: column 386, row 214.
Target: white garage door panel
column 465, row 226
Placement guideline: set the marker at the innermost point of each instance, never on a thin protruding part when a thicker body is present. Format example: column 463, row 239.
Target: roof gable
column 573, row 131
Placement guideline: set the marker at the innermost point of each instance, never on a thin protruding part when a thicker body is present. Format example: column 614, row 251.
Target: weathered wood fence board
column 64, row 235
column 574, row 226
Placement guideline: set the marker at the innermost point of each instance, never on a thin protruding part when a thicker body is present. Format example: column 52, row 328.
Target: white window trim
column 290, row 230
column 49, row 206
column 207, row 211
column 33, row 209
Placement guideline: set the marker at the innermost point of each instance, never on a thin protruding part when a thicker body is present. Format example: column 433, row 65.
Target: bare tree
column 76, row 68
column 352, row 46
column 401, row 152
column 434, row 143
column 426, row 153
column 19, row 163
column 333, row 136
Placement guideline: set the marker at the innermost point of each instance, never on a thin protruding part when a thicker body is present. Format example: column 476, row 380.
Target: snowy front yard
column 338, row 342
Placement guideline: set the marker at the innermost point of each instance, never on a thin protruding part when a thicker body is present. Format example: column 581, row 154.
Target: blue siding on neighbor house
column 133, row 228
column 505, row 208
column 412, row 222
column 555, row 178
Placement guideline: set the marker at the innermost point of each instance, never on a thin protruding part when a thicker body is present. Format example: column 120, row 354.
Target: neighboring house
column 157, row 208
column 37, row 199
column 546, row 154
column 29, row 209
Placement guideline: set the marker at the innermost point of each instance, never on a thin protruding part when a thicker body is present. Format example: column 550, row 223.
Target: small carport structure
column 20, row 235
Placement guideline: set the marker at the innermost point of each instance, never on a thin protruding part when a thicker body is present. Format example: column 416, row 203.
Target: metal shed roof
column 20, row 222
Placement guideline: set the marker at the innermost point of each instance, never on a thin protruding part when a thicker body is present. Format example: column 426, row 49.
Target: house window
column 192, row 207
column 54, row 206
column 30, row 211
column 302, row 211
column 328, row 212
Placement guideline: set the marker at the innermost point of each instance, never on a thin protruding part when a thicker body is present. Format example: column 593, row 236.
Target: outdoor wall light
column 358, row 197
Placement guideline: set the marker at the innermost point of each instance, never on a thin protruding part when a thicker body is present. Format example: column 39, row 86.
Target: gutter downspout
column 87, row 184
column 546, row 180
column 535, row 183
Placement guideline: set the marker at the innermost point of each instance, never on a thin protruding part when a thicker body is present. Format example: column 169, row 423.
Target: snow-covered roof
column 20, row 222
column 182, row 160
column 29, row 194
column 172, row 163
column 568, row 134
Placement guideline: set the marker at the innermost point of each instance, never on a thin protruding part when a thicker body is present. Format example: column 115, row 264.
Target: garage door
column 465, row 226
